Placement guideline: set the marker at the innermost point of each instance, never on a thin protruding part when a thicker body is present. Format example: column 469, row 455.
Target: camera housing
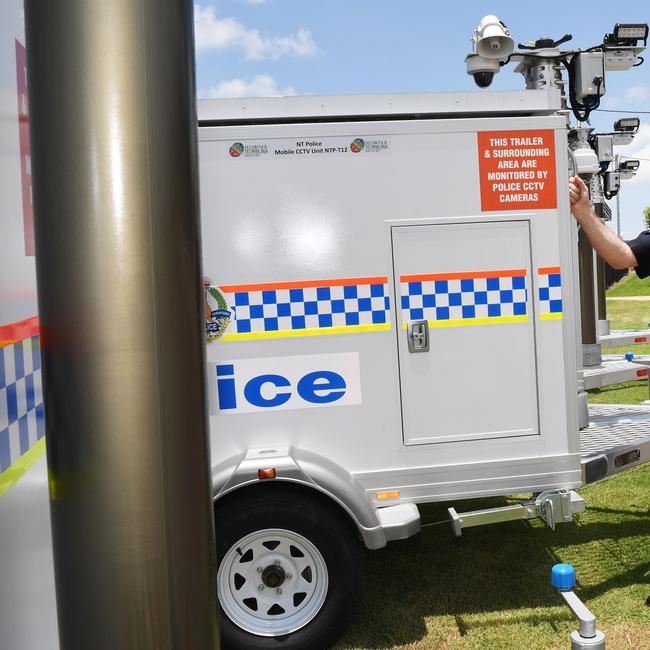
column 482, row 69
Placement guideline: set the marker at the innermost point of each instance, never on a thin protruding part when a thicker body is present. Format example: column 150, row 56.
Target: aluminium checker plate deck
column 618, row 437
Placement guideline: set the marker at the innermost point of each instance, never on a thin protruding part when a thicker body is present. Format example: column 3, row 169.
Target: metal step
column 614, row 370
column 617, row 438
column 624, row 337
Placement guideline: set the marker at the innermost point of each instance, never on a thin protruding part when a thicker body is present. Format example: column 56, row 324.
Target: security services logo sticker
column 236, row 149
column 217, row 314
column 357, row 145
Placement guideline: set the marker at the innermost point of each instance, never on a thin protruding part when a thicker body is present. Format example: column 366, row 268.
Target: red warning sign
column 25, row 149
column 517, row 170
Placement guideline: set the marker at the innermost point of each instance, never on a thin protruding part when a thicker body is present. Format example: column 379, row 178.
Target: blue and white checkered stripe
column 462, row 299
column 21, row 399
column 307, row 308
column 550, row 294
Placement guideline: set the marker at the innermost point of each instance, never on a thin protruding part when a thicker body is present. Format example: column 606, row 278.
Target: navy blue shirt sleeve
column 641, row 249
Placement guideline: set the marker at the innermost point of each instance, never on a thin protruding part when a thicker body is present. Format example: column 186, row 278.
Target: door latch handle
column 418, row 336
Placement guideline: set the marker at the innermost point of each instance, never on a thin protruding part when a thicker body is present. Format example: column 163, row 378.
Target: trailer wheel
column 289, row 571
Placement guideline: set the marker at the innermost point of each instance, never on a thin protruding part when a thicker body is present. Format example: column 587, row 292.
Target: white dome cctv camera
column 493, row 39
column 482, row 69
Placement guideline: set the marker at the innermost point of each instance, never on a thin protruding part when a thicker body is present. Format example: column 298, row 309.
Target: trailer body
column 334, row 228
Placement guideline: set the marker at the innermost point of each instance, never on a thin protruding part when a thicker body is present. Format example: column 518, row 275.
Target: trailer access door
column 466, row 331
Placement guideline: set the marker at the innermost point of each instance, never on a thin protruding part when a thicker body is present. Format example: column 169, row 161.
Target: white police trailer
column 391, row 309
column 393, row 315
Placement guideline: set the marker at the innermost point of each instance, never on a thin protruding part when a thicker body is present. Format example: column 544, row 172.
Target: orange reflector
column 387, row 495
column 266, row 473
column 642, row 373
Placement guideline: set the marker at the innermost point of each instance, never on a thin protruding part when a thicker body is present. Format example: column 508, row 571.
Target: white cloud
column 637, row 93
column 256, row 2
column 611, row 102
column 215, row 33
column 631, row 95
column 261, row 85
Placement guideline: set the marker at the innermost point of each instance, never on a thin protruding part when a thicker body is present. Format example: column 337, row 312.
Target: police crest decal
column 217, row 314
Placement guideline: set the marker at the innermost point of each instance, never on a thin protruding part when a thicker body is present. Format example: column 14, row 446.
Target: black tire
column 318, row 520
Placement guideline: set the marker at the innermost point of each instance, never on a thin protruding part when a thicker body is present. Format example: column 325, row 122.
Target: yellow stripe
column 20, row 466
column 554, row 316
column 488, row 320
column 316, row 331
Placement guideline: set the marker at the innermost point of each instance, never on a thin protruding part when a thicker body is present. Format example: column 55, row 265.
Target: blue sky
column 272, row 47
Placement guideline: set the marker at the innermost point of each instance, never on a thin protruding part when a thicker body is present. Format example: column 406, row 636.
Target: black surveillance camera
column 483, row 79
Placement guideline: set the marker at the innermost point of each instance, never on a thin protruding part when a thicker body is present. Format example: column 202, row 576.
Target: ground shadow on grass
column 490, row 569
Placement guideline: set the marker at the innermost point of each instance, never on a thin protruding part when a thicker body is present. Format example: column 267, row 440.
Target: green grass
column 625, row 314
column 630, row 285
column 490, row 590
column 628, row 314
column 629, row 392
column 637, row 348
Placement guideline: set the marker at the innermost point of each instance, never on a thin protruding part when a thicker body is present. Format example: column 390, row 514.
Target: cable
column 612, row 110
column 557, row 55
column 574, row 161
column 580, row 111
column 435, row 523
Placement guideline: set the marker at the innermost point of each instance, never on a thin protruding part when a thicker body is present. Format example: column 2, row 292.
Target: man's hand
column 579, row 198
column 607, row 244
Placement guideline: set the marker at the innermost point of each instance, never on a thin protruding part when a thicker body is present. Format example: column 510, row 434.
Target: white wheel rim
column 272, row 582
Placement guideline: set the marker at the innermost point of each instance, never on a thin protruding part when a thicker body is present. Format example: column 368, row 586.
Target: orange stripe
column 545, row 270
column 304, row 284
column 18, row 331
column 466, row 275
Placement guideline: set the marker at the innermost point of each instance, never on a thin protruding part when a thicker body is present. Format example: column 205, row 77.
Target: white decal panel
column 303, row 148
column 284, row 383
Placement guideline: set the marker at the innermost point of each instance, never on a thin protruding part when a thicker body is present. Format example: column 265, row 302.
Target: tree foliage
column 646, row 217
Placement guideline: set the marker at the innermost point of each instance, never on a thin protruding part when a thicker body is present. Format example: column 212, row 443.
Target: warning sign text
column 517, row 170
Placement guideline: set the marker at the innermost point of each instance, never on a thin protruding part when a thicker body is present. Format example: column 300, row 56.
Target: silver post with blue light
column 587, row 637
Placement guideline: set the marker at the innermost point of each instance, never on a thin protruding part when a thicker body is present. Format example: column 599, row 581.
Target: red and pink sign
column 25, row 149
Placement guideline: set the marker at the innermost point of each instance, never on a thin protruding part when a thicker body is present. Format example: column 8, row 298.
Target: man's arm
column 606, row 243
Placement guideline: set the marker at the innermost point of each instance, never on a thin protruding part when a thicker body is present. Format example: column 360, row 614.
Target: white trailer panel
column 313, row 247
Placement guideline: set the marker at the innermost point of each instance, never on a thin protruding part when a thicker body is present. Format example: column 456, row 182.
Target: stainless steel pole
column 602, row 324
column 587, row 307
column 601, row 289
column 618, row 202
column 113, row 130
column 591, row 355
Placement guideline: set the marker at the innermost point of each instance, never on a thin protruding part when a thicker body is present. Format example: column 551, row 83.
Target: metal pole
column 590, row 347
column 601, row 281
column 587, row 307
column 113, row 130
column 618, row 202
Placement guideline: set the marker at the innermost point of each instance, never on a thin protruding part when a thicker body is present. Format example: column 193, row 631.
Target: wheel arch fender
column 308, row 470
